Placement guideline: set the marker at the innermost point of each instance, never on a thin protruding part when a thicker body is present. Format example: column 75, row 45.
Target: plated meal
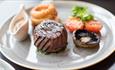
column 56, row 36
column 50, row 35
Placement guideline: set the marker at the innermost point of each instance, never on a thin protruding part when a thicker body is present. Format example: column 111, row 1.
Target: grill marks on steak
column 42, row 45
column 39, row 41
column 47, row 46
column 50, row 37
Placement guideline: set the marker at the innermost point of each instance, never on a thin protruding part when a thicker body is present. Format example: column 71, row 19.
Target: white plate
column 5, row 66
column 24, row 54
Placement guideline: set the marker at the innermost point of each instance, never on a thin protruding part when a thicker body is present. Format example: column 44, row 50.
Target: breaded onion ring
column 43, row 10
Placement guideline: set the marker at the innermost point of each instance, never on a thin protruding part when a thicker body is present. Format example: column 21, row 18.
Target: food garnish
column 73, row 24
column 82, row 13
column 82, row 19
column 93, row 26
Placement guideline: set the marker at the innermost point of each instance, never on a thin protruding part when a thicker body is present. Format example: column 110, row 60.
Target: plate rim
column 7, row 64
column 80, row 67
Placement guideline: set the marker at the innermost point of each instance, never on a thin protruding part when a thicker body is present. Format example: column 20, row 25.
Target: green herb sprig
column 82, row 13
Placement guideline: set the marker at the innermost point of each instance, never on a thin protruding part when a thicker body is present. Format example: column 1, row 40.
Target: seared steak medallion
column 50, row 37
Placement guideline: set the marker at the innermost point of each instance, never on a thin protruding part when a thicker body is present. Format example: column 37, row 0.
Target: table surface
column 107, row 64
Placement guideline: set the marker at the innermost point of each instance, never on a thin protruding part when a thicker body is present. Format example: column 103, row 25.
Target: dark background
column 103, row 65
column 107, row 4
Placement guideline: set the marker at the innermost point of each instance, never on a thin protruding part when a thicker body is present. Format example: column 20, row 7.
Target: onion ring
column 43, row 10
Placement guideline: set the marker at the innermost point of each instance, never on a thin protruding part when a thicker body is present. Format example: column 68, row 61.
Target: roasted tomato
column 73, row 24
column 93, row 26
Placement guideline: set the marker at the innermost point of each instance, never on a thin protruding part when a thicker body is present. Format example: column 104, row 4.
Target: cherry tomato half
column 93, row 26
column 73, row 24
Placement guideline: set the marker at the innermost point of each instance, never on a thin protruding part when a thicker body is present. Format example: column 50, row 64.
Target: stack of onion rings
column 43, row 12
